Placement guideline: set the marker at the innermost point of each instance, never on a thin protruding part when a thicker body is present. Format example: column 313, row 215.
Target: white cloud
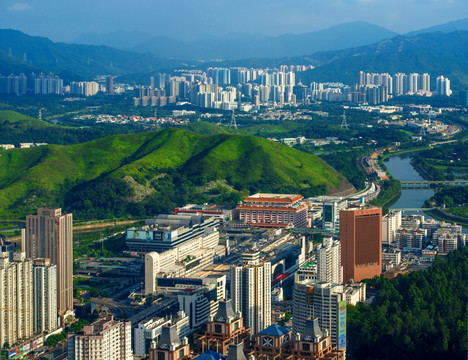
column 20, row 7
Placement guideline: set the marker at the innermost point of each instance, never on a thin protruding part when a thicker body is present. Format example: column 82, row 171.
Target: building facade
column 361, row 243
column 105, row 339
column 16, row 298
column 274, row 210
column 222, row 330
column 390, row 224
column 328, row 257
column 45, row 296
column 49, row 234
column 251, row 291
column 147, row 333
column 325, row 301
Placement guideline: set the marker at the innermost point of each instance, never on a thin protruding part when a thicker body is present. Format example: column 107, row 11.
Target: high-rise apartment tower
column 49, row 234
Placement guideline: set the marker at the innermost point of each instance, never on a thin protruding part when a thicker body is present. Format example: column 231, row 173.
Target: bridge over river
column 422, row 184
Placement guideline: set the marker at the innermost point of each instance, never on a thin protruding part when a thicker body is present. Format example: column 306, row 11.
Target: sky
column 64, row 20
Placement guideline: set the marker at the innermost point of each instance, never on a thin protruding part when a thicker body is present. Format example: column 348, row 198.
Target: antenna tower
column 422, row 131
column 233, row 121
column 344, row 124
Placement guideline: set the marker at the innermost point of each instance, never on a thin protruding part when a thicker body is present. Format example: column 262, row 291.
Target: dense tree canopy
column 417, row 316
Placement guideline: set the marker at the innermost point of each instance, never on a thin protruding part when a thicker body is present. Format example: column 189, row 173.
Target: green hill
column 20, row 121
column 17, row 128
column 144, row 174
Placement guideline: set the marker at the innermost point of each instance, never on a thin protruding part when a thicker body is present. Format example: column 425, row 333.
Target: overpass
column 314, row 231
column 422, row 184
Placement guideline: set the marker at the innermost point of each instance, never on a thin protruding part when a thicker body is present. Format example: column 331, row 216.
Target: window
column 305, row 347
column 161, row 356
column 218, row 329
column 181, row 353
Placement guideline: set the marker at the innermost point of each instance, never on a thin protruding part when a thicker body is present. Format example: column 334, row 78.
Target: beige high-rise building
column 16, row 292
column 323, row 300
column 328, row 256
column 104, row 339
column 390, row 224
column 49, row 234
column 251, row 291
column 45, row 296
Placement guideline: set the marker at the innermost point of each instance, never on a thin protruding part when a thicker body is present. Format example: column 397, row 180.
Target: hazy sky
column 65, row 19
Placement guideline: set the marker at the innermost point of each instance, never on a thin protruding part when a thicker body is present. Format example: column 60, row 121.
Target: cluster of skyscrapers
column 37, row 282
column 247, row 89
column 228, row 311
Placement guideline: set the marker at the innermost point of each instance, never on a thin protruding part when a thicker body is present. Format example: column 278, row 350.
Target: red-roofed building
column 274, row 210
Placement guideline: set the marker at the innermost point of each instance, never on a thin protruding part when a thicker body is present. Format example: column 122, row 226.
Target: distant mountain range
column 435, row 53
column 21, row 52
column 241, row 46
column 451, row 26
column 438, row 53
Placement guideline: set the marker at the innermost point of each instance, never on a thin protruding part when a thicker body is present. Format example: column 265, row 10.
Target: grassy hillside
column 17, row 128
column 17, row 120
column 143, row 174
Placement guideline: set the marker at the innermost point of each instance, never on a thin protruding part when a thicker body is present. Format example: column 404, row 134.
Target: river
column 401, row 169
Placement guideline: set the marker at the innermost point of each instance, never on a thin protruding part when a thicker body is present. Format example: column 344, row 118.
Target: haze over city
column 182, row 19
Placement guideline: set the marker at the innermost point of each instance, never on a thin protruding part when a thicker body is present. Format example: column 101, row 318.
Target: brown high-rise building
column 49, row 234
column 361, row 243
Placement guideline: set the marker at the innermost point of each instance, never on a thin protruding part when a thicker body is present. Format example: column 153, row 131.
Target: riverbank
column 389, row 194
column 444, row 216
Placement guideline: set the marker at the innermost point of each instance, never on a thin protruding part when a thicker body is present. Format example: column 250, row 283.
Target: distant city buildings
column 109, row 84
column 443, row 86
column 84, row 88
column 14, row 84
column 48, row 84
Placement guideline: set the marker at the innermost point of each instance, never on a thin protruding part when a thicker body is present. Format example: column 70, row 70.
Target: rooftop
column 210, row 355
column 274, row 197
column 274, row 330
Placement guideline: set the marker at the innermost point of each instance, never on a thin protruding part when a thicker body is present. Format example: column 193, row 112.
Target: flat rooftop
column 274, row 197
